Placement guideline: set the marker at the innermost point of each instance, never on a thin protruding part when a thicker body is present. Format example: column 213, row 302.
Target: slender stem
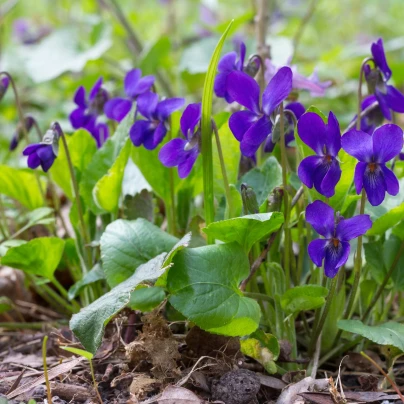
column 285, row 198
column 94, row 381
column 358, row 121
column 366, row 111
column 45, row 369
column 319, row 328
column 261, row 28
column 86, row 236
column 259, row 296
column 357, row 266
column 63, row 292
column 170, row 205
column 339, row 348
column 222, row 167
column 384, row 374
column 384, row 283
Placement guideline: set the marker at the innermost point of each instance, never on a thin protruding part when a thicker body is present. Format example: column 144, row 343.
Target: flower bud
column 275, row 200
column 19, row 132
column 249, row 199
column 52, row 137
column 4, row 83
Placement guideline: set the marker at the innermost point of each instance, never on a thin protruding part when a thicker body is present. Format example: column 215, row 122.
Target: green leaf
column 127, row 244
column 146, row 298
column 386, row 215
column 107, row 190
column 262, row 347
column 77, row 351
column 39, row 256
column 245, row 230
column 390, row 333
column 82, row 147
column 95, row 274
column 6, row 245
column 236, row 203
column 156, row 56
column 102, row 162
column 203, row 283
column 206, row 129
column 5, row 304
column 89, row 324
column 263, row 180
column 21, row 185
column 391, row 248
column 301, row 298
column 139, row 206
column 374, row 260
column 65, row 46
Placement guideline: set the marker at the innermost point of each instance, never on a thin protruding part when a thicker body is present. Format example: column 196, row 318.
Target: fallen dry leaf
column 178, row 395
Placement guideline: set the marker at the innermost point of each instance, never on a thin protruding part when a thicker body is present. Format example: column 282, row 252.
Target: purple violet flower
column 321, row 170
column 28, row 33
column 134, row 85
column 184, row 152
column 44, row 153
column 88, row 110
column 151, row 131
column 300, row 82
column 337, row 232
column 229, row 62
column 251, row 127
column 4, row 83
column 374, row 118
column 298, row 110
column 19, row 132
column 373, row 152
column 388, row 96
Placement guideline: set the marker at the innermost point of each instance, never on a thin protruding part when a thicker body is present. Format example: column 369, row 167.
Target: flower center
column 372, row 167
column 335, row 241
column 328, row 158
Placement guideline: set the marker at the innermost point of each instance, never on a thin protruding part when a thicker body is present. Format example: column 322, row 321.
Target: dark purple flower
column 88, row 110
column 389, row 97
column 182, row 153
column 321, row 170
column 373, row 152
column 4, row 83
column 337, row 232
column 252, row 126
column 44, row 153
column 19, row 132
column 374, row 118
column 299, row 82
column 229, row 62
column 151, row 131
column 134, row 85
column 297, row 110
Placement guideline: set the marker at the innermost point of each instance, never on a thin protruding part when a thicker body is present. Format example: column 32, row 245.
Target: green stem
column 359, row 110
column 63, row 292
column 85, row 234
column 357, row 266
column 45, row 369
column 318, row 329
column 223, row 168
column 285, row 199
column 3, row 220
column 170, row 204
column 94, row 381
column 384, row 283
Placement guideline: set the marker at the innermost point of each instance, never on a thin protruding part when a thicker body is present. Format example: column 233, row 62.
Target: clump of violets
column 135, row 86
column 321, row 170
column 183, row 152
column 293, row 112
column 373, row 152
column 299, row 82
column 44, row 153
column 150, row 131
column 88, row 111
column 251, row 127
column 4, row 83
column 334, row 248
column 19, row 132
column 388, row 96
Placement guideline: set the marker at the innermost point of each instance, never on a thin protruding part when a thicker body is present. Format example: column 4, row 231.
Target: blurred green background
column 52, row 46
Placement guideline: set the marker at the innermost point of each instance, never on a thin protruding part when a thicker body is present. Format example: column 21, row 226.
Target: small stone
column 237, row 387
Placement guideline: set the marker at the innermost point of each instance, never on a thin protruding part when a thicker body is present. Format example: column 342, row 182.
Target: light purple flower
column 88, row 111
column 4, row 83
column 337, row 232
column 134, row 85
column 373, row 152
column 300, row 82
column 251, row 127
column 182, row 153
column 321, row 170
column 229, row 62
column 28, row 33
column 150, row 132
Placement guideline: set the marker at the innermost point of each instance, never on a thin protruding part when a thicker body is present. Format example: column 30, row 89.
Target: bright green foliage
column 127, row 244
column 77, row 351
column 301, row 298
column 245, row 230
column 96, row 274
column 21, row 185
column 40, row 256
column 203, row 284
column 146, row 298
column 390, row 333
